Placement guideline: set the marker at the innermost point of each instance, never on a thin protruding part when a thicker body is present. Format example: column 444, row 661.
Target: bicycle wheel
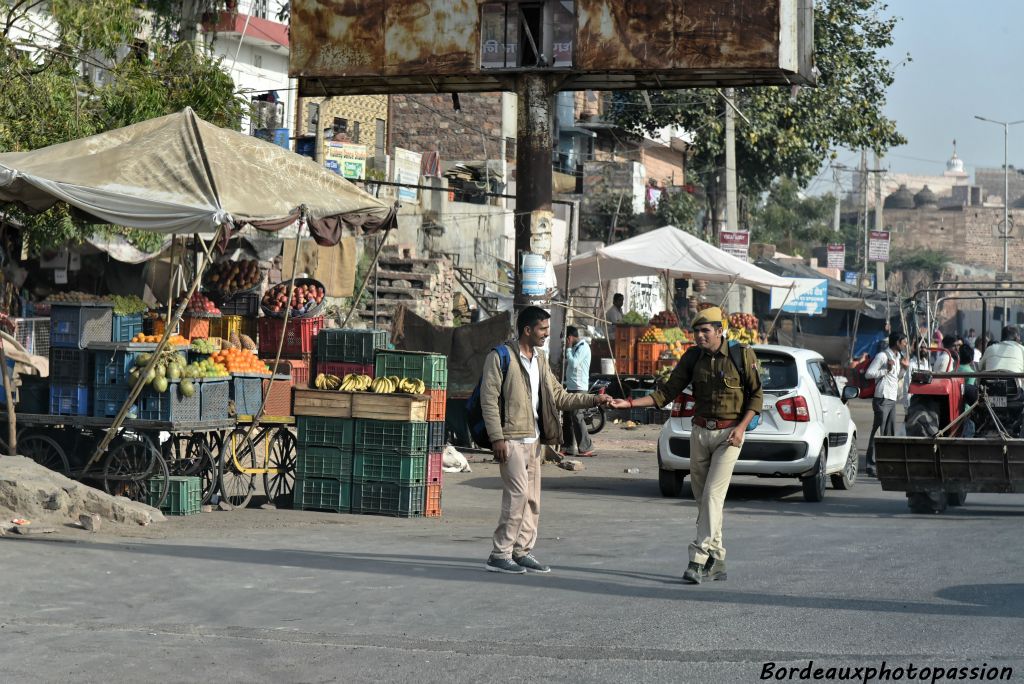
column 43, row 450
column 237, row 487
column 279, row 482
column 131, row 468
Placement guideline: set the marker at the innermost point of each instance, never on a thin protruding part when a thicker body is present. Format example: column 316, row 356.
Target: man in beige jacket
column 521, row 409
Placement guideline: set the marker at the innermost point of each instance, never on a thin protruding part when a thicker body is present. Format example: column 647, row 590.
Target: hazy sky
column 967, row 58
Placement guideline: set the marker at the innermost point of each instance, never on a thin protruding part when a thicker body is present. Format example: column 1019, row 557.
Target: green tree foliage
column 791, row 132
column 50, row 95
column 795, row 224
column 679, row 209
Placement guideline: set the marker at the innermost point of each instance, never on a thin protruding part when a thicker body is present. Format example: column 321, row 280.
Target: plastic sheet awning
column 180, row 174
column 672, row 252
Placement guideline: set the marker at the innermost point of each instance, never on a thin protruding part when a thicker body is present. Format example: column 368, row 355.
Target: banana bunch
column 327, row 382
column 383, row 385
column 354, row 382
column 407, row 386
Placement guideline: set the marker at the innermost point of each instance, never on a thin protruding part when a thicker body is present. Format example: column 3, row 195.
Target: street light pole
column 1006, row 199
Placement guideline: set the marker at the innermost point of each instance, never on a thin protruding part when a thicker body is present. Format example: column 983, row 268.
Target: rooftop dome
column 955, row 164
column 901, row 199
column 925, row 198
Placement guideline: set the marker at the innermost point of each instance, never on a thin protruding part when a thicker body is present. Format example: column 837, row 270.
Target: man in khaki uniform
column 521, row 410
column 724, row 407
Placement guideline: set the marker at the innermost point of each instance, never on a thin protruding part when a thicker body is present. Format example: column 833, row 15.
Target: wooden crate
column 326, row 403
column 411, row 407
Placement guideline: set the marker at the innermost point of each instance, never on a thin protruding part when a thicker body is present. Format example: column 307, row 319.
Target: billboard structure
column 538, row 47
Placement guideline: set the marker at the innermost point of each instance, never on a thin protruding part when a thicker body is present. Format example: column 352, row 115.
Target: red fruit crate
column 194, row 328
column 298, row 369
column 298, row 336
column 649, row 351
column 435, row 471
column 436, row 406
column 432, row 501
column 342, row 369
column 651, row 367
column 278, row 400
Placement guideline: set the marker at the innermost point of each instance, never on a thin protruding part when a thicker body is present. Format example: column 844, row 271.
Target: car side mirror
column 850, row 393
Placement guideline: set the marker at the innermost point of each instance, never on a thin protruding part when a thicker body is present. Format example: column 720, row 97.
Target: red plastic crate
column 435, row 471
column 436, row 407
column 192, row 327
column 279, row 397
column 652, row 367
column 298, row 369
column 342, row 369
column 298, row 336
column 650, row 351
column 432, row 502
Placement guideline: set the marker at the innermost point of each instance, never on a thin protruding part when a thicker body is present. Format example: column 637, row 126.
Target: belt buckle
column 711, row 424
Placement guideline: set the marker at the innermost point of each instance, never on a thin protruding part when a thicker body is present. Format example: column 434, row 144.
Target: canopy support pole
column 101, row 448
column 779, row 313
column 570, row 250
column 12, row 426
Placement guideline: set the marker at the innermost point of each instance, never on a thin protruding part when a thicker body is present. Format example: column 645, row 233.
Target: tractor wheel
column 922, row 417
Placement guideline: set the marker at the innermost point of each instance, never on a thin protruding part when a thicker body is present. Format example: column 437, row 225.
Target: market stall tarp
column 180, row 174
column 671, row 251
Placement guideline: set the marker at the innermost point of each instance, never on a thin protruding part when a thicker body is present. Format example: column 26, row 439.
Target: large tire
column 922, row 417
column 848, row 477
column 956, row 498
column 670, row 482
column 814, row 484
column 927, row 502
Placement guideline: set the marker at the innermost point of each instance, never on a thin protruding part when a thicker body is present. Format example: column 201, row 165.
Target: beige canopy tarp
column 180, row 174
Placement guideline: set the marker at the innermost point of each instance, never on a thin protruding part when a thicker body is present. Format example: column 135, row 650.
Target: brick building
column 474, row 132
column 360, row 119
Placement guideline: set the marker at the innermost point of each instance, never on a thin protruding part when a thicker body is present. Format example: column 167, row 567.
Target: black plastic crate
column 69, row 366
column 108, row 400
column 74, row 326
column 69, row 400
column 214, row 394
column 387, row 498
column 346, row 345
column 244, row 304
column 124, row 328
column 322, row 493
column 34, row 395
column 436, row 435
column 170, row 406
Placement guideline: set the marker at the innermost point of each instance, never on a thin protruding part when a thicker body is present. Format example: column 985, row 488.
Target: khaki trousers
column 711, row 464
column 520, row 501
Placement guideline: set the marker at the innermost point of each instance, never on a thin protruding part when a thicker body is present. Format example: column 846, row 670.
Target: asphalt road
column 856, row 581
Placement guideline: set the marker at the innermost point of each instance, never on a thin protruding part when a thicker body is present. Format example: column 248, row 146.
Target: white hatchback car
column 805, row 431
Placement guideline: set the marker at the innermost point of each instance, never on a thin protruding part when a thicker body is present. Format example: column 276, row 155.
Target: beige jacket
column 514, row 394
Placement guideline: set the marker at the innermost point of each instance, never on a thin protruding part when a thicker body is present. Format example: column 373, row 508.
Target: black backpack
column 736, row 354
column 474, row 411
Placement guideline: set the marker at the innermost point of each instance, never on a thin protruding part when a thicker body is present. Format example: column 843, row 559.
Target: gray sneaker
column 528, row 562
column 506, row 565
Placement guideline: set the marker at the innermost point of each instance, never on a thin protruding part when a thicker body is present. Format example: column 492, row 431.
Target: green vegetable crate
column 184, row 494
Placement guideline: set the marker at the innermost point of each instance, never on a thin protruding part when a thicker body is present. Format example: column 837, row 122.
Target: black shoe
column 694, row 573
column 714, row 569
column 504, row 565
column 870, row 471
column 528, row 562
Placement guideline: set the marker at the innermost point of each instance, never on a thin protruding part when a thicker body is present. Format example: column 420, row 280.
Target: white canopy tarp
column 668, row 250
column 180, row 174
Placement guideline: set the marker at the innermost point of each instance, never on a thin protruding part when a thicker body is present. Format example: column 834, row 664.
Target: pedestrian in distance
column 887, row 370
column 575, row 438
column 614, row 314
column 727, row 399
column 520, row 403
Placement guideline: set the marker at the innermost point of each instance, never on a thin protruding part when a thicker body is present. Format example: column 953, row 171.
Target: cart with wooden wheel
column 265, row 448
column 138, row 454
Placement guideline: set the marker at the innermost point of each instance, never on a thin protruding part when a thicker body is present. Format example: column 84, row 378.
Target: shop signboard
column 406, row 170
column 347, row 159
column 836, row 256
column 878, row 245
column 809, row 296
column 735, row 242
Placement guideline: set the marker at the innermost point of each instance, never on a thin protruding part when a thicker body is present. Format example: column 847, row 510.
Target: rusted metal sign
column 404, row 46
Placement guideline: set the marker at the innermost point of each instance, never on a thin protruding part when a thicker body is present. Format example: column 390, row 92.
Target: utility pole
column 879, row 225
column 732, row 221
column 837, row 191
column 864, row 194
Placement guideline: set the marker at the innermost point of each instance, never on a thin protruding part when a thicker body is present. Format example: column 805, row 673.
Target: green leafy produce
column 634, row 318
column 126, row 306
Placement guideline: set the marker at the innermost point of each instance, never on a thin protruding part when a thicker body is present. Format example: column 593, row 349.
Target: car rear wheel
column 670, row 482
column 814, row 484
column 848, row 477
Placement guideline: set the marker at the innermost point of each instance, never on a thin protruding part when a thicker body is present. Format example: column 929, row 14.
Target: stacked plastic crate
column 340, row 351
column 72, row 328
column 432, row 369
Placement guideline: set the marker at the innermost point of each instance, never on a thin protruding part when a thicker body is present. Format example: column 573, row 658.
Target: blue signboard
column 278, row 136
column 808, row 296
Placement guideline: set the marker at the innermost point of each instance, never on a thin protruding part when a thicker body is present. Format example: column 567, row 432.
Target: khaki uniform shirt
column 717, row 388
